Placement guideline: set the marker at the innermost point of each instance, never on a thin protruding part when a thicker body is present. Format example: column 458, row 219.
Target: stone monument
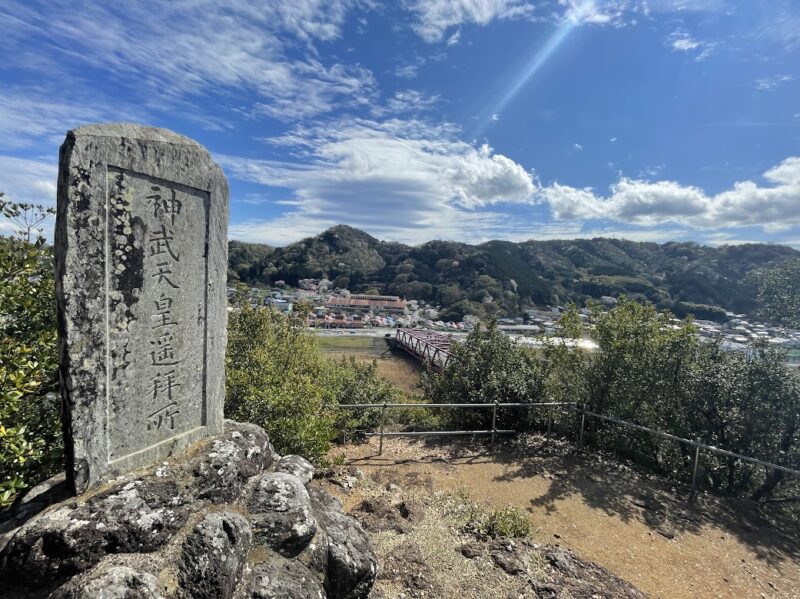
column 141, row 264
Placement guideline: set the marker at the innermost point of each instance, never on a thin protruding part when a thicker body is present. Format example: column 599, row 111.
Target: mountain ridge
column 502, row 278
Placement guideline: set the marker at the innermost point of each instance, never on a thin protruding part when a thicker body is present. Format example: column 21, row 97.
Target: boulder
column 114, row 582
column 280, row 578
column 315, row 556
column 281, row 511
column 214, row 522
column 139, row 516
column 213, row 556
column 352, row 565
column 299, row 466
column 222, row 471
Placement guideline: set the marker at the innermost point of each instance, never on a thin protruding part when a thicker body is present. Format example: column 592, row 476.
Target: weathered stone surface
column 315, row 555
column 281, row 512
column 352, row 565
column 222, row 471
column 323, row 501
column 280, row 578
column 140, row 516
column 45, row 494
column 141, row 261
column 115, row 582
column 161, row 524
column 297, row 465
column 213, row 556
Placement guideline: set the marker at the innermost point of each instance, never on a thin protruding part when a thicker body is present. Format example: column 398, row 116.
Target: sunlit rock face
column 217, row 521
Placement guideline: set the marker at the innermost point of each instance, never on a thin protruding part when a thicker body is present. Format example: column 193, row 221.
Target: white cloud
column 681, row 41
column 27, row 116
column 165, row 51
column 435, row 17
column 454, row 39
column 768, row 84
column 399, row 179
column 593, row 12
column 577, row 146
column 27, row 180
column 642, row 202
column 406, row 101
column 407, row 71
column 780, row 27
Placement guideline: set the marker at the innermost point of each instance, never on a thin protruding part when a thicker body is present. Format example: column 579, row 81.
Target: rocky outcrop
column 227, row 519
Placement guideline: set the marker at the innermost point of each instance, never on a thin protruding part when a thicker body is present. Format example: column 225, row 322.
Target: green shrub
column 504, row 522
column 359, row 383
column 277, row 378
column 30, row 418
column 485, row 520
column 487, row 367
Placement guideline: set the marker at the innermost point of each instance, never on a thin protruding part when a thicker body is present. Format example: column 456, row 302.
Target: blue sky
column 419, row 119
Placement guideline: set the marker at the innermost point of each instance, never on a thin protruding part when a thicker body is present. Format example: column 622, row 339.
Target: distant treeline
column 501, row 278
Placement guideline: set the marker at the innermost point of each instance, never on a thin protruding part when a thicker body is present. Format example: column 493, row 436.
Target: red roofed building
column 365, row 303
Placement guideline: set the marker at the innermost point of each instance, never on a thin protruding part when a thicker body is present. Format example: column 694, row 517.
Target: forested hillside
column 500, row 278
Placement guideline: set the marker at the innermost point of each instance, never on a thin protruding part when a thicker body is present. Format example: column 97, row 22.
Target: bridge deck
column 426, row 346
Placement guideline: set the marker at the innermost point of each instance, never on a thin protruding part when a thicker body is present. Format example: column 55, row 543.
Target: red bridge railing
column 427, row 346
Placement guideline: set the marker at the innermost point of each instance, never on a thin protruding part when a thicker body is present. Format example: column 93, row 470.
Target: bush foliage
column 30, row 418
column 650, row 371
column 277, row 378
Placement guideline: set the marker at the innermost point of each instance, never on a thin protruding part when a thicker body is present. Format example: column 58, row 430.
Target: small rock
column 665, row 532
column 510, row 563
column 470, row 550
column 562, row 561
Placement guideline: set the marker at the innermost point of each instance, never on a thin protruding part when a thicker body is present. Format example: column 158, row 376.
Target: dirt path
column 610, row 514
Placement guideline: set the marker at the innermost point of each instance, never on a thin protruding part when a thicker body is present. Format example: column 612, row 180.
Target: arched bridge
column 426, row 346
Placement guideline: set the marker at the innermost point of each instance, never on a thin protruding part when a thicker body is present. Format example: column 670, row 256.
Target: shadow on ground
column 621, row 490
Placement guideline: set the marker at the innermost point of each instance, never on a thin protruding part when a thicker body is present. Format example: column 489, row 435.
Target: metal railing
column 574, row 406
column 494, row 431
column 696, row 443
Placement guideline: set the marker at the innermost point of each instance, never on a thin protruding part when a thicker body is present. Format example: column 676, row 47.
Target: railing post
column 383, row 419
column 583, row 423
column 494, row 420
column 549, row 419
column 694, row 470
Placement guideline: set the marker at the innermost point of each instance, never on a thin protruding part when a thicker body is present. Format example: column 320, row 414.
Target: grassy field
column 399, row 369
column 352, row 344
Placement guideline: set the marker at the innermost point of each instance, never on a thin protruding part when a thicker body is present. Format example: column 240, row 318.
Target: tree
column 276, row 378
column 779, row 292
column 30, row 419
column 27, row 217
column 487, row 367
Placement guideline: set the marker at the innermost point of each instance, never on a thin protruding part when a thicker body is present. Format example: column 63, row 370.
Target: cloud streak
column 174, row 51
